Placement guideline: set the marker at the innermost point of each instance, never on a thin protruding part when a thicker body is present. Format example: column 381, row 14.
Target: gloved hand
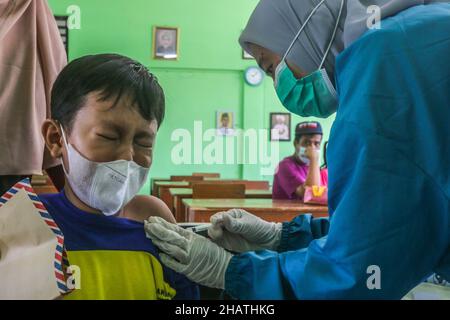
column 198, row 258
column 239, row 231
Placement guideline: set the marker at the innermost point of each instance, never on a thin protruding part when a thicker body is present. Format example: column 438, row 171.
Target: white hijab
column 274, row 24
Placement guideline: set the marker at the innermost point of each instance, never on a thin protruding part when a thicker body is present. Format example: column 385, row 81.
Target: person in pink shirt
column 302, row 169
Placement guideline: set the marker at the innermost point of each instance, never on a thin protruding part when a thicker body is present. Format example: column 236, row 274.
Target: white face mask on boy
column 106, row 186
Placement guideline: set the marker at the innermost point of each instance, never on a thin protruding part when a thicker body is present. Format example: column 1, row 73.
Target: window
column 61, row 21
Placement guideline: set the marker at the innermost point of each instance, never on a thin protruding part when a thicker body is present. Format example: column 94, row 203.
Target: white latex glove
column 198, row 258
column 239, row 231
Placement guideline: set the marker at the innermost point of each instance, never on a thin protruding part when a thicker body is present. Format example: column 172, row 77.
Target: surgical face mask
column 302, row 155
column 313, row 95
column 106, row 186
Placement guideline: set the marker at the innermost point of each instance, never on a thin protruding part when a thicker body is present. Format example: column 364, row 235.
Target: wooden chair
column 249, row 184
column 186, row 178
column 154, row 190
column 214, row 182
column 218, row 191
column 206, row 175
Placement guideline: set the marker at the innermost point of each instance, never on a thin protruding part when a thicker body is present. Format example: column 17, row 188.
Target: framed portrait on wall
column 225, row 123
column 280, row 126
column 245, row 54
column 165, row 43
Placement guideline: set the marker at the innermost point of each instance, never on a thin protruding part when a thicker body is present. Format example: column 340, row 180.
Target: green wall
column 208, row 76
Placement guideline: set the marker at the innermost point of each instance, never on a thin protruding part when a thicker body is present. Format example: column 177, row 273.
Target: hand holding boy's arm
column 198, row 258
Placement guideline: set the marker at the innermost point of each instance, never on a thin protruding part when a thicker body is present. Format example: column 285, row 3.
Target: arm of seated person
column 312, row 179
column 142, row 207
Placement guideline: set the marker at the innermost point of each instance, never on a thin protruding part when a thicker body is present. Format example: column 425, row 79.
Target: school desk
column 167, row 183
column 178, row 194
column 200, row 210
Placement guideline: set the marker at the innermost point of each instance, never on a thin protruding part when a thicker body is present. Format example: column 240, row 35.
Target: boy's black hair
column 115, row 77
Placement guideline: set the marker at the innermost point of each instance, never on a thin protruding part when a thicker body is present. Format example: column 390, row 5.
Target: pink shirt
column 31, row 56
column 289, row 175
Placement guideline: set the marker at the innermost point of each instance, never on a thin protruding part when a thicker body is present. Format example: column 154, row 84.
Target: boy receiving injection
column 106, row 110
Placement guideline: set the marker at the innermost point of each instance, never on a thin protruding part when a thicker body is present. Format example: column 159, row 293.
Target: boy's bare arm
column 143, row 207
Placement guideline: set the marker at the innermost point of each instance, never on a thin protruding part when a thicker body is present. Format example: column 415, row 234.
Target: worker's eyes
column 262, row 64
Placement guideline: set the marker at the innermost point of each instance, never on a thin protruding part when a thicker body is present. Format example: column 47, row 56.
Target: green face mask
column 313, row 95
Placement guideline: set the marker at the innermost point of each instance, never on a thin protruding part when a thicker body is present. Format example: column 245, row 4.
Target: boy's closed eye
column 144, row 144
column 144, row 140
column 109, row 137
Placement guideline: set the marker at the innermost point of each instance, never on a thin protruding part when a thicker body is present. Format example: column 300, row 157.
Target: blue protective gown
column 389, row 175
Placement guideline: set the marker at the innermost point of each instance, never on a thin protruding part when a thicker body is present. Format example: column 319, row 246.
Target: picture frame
column 225, row 122
column 165, row 43
column 280, row 126
column 246, row 55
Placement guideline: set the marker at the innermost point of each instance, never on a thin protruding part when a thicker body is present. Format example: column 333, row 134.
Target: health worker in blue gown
column 384, row 67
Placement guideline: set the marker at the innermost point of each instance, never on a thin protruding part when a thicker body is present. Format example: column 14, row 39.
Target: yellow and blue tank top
column 115, row 258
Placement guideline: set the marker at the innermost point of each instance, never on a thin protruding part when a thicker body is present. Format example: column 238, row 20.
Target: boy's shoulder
column 142, row 207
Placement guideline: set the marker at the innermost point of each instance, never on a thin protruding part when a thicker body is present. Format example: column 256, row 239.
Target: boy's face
column 102, row 133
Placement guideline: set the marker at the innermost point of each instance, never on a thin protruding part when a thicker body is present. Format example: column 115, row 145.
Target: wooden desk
column 162, row 188
column 178, row 194
column 166, row 182
column 200, row 210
